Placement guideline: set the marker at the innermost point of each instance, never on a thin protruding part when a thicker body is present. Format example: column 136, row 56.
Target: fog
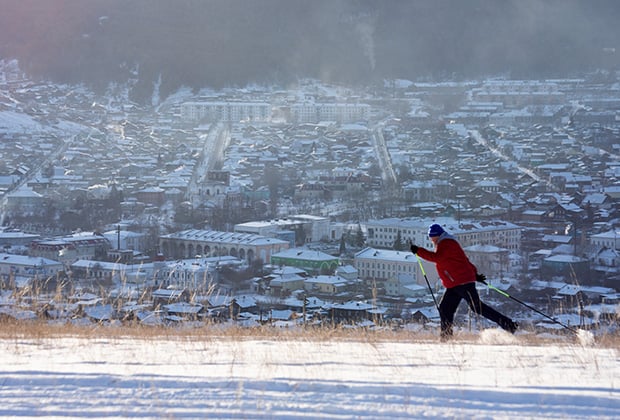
column 220, row 43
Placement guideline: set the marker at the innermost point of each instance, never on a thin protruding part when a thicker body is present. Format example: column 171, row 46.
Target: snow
column 493, row 375
column 14, row 122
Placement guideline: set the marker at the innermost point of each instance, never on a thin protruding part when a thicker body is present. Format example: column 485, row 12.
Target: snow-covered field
column 491, row 376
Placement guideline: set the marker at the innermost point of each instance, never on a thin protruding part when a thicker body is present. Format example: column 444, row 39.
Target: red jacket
column 453, row 266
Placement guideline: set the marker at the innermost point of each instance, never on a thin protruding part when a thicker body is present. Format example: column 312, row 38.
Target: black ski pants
column 450, row 302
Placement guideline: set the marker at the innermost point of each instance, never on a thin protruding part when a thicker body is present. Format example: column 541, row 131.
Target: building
column 489, row 259
column 282, row 281
column 609, row 239
column 151, row 195
column 327, row 285
column 13, row 267
column 403, row 286
column 68, row 249
column 189, row 274
column 98, row 270
column 307, row 228
column 381, row 265
column 211, row 243
column 24, row 201
column 314, row 262
column 518, row 93
column 355, row 311
column 125, row 239
column 383, row 233
column 423, row 191
column 213, row 111
column 314, row 112
column 16, row 238
column 567, row 266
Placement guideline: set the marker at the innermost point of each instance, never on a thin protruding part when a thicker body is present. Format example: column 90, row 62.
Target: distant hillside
column 234, row 42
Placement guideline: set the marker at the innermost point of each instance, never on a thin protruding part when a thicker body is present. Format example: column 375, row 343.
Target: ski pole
column 427, row 282
column 501, row 292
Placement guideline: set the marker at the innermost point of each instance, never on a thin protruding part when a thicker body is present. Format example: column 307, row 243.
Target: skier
column 458, row 275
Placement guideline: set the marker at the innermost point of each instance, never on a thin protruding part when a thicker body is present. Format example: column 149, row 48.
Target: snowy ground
column 495, row 376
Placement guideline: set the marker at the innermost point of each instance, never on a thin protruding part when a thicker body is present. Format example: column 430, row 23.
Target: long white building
column 211, row 243
column 212, row 111
column 13, row 267
column 382, row 233
column 311, row 112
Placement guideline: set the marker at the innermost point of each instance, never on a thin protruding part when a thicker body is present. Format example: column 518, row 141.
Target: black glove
column 414, row 249
column 481, row 278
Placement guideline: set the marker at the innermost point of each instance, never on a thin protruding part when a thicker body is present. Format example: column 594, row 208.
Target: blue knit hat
column 435, row 230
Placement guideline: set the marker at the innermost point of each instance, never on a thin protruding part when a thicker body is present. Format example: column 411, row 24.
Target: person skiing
column 458, row 275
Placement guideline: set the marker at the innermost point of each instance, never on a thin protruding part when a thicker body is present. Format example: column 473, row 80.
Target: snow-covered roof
column 25, row 260
column 304, row 254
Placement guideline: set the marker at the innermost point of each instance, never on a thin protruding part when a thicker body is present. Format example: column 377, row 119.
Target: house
column 567, row 266
column 24, row 201
column 99, row 313
column 312, row 191
column 404, row 286
column 8, row 181
column 348, row 272
column 352, row 311
column 183, row 311
column 166, row 296
column 314, row 262
column 281, row 315
column 282, row 281
column 606, row 263
column 27, row 268
column 97, row 270
column 327, row 285
column 152, row 195
column 424, row 315
column 192, row 274
column 609, row 239
column 597, row 201
column 16, row 238
column 240, row 304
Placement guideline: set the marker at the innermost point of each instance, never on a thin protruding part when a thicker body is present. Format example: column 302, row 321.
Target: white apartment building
column 225, row 111
column 382, row 233
column 310, row 112
column 518, row 93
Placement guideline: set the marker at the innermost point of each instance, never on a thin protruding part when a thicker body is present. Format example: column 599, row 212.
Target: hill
column 283, row 375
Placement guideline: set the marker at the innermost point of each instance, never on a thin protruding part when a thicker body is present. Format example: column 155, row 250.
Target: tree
column 272, row 180
column 359, row 237
column 343, row 245
column 300, row 235
column 398, row 243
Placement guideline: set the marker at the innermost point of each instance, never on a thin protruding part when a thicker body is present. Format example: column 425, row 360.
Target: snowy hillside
column 490, row 376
